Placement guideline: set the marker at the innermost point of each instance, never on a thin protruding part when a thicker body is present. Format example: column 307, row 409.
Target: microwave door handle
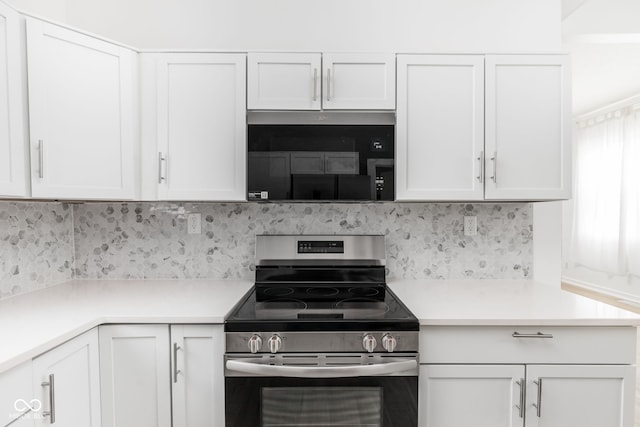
column 322, row 371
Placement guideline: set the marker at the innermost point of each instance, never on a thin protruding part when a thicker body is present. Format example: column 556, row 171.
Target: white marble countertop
column 505, row 302
column 32, row 323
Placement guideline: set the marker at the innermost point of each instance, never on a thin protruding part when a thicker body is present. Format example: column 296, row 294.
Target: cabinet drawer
column 497, row 344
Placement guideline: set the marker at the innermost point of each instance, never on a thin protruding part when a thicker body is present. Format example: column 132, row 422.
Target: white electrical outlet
column 470, row 225
column 194, row 223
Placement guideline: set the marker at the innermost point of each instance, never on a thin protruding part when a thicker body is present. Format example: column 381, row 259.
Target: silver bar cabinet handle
column 328, row 84
column 480, row 176
column 538, row 405
column 176, row 371
column 52, row 399
column 161, row 160
column 520, row 406
column 494, row 159
column 41, row 158
column 536, row 335
column 315, row 84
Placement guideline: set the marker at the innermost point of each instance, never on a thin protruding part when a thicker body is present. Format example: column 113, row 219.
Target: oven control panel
column 278, row 342
column 320, row 246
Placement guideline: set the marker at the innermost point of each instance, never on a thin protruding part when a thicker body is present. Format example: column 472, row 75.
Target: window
column 606, row 215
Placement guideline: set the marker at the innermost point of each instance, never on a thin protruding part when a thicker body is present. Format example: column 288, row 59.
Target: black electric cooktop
column 320, row 307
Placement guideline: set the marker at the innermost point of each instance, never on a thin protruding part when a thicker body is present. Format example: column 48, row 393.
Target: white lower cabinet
column 66, row 382
column 540, row 377
column 18, row 406
column 490, row 395
column 470, row 395
column 151, row 372
column 134, row 376
column 198, row 375
column 580, row 396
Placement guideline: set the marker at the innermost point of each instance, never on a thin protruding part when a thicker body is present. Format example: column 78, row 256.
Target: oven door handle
column 378, row 369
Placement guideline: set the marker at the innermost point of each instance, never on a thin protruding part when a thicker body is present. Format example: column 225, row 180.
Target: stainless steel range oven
column 320, row 340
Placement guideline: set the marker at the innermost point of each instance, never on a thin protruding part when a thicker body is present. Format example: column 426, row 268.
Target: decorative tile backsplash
column 150, row 240
column 42, row 244
column 36, row 246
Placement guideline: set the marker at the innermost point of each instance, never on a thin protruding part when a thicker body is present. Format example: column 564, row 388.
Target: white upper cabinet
column 360, row 82
column 83, row 115
column 440, row 127
column 13, row 145
column 472, row 127
column 284, row 81
column 195, row 145
column 314, row 81
column 528, row 127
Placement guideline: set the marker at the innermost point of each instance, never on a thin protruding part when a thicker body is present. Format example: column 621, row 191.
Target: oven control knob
column 389, row 343
column 369, row 343
column 275, row 343
column 255, row 343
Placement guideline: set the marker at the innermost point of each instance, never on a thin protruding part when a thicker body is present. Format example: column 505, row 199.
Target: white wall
column 603, row 37
column 321, row 25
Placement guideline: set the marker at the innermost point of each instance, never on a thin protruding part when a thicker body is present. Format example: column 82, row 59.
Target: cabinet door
column 67, row 382
column 580, row 396
column 134, row 376
column 470, row 395
column 18, row 405
column 82, row 114
column 13, row 144
column 197, row 375
column 528, row 127
column 284, row 81
column 358, row 81
column 201, row 127
column 440, row 127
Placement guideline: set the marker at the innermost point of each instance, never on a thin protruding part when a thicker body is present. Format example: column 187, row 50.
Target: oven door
column 260, row 393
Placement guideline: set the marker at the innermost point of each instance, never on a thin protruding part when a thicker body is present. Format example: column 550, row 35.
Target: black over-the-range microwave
column 321, row 156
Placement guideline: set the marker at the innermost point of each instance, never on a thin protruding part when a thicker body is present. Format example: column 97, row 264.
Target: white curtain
column 606, row 219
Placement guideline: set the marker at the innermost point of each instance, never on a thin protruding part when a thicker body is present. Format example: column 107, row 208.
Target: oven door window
column 321, row 402
column 321, row 406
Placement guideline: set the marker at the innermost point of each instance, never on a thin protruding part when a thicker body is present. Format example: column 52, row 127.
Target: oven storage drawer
column 528, row 344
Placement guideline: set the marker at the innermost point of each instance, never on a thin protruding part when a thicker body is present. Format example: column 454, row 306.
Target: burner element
column 283, row 308
column 363, row 291
column 362, row 308
column 323, row 291
column 278, row 292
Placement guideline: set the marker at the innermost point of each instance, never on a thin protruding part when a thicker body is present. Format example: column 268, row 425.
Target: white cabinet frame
column 194, row 127
column 83, row 115
column 440, row 127
column 14, row 155
column 197, row 375
column 528, row 127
